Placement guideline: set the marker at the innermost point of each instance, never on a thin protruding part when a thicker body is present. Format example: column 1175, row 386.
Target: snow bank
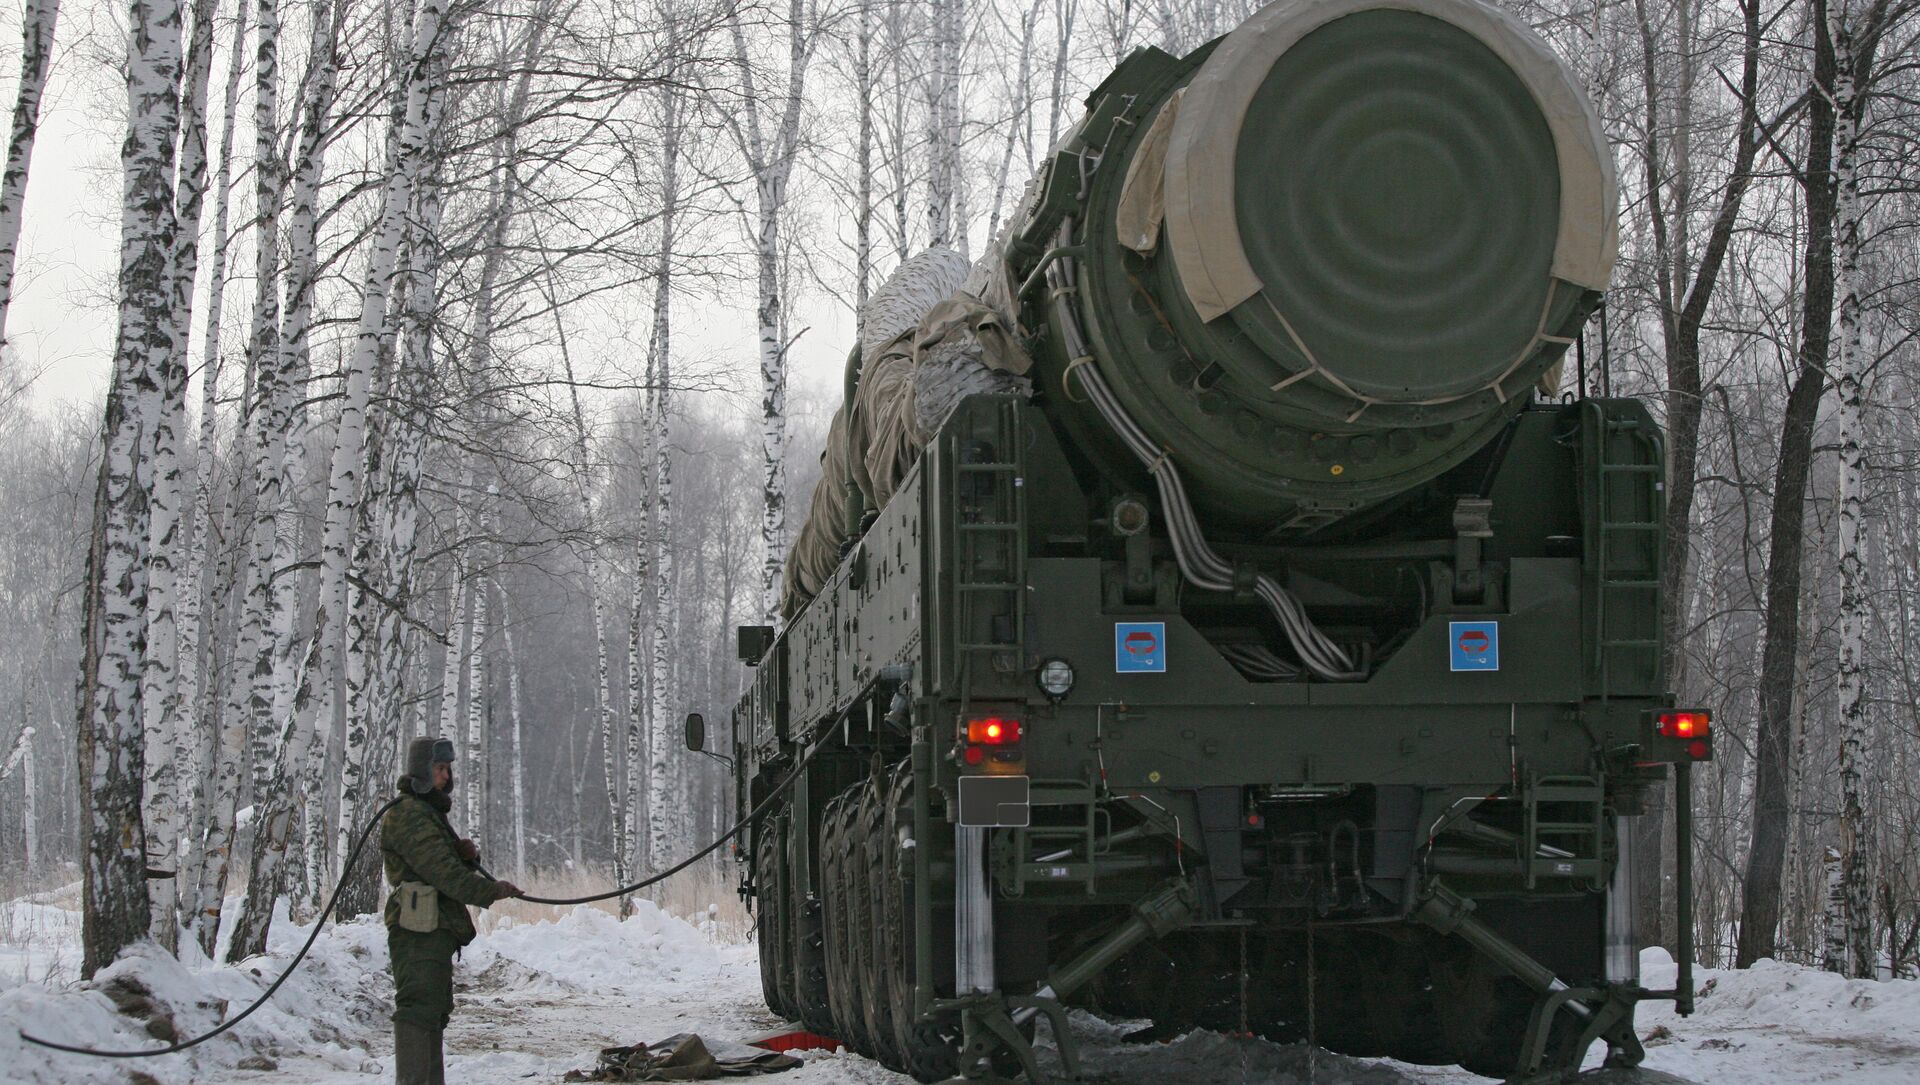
column 332, row 1011
column 1785, row 1022
column 590, row 950
column 538, row 998
column 338, row 987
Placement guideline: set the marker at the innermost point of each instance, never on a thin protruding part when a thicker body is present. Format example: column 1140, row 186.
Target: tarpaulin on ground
column 684, row 1057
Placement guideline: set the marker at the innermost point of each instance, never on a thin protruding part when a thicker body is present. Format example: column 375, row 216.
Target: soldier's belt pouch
column 419, row 907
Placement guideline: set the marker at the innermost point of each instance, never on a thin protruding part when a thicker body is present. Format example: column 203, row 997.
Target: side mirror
column 752, row 643
column 696, row 732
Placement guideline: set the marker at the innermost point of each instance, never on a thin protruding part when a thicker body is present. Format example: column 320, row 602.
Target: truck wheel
column 770, row 895
column 927, row 1050
column 809, row 973
column 871, row 860
column 859, row 933
column 839, row 921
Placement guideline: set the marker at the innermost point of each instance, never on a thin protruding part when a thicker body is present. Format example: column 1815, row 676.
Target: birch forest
column 469, row 366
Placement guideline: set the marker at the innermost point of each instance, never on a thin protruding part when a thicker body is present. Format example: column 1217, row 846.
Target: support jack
column 994, row 1026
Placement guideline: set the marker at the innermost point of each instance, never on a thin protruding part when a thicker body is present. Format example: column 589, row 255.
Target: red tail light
column 1690, row 724
column 993, row 731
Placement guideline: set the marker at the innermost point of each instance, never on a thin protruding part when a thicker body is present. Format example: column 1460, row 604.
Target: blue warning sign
column 1474, row 646
column 1140, row 647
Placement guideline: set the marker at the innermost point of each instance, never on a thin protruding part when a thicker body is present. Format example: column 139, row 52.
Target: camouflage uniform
column 419, row 845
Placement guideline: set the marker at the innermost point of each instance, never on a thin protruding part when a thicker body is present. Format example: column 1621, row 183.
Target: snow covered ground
column 539, row 999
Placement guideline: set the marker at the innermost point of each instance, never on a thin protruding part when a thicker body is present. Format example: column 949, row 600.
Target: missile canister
column 1323, row 259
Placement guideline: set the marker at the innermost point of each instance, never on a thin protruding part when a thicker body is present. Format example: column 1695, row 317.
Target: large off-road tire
column 834, row 902
column 859, row 932
column 808, row 943
column 770, row 895
column 869, row 856
column 928, row 1050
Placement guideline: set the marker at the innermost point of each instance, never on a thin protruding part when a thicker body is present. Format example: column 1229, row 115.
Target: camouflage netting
column 935, row 333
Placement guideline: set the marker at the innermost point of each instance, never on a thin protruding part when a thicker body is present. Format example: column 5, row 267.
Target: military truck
column 1257, row 639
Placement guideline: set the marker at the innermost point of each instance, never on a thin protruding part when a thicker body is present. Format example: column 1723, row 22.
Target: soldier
column 436, row 875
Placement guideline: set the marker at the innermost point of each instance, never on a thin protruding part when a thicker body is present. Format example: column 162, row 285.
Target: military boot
column 415, row 1055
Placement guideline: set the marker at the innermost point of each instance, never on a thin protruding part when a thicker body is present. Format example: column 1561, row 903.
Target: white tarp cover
column 1203, row 229
column 928, row 339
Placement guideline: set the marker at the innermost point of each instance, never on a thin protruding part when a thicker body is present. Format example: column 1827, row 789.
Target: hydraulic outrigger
column 994, row 1023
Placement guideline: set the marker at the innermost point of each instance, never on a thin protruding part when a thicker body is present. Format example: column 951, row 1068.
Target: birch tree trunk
column 477, row 714
column 406, row 153
column 316, row 683
column 37, row 20
column 603, row 674
column 347, row 456
column 159, row 672
column 519, row 753
column 943, row 139
column 159, row 693
column 771, row 156
column 415, row 385
column 450, row 669
column 1855, row 882
column 955, row 124
column 1833, row 913
column 20, row 758
column 114, row 888
column 899, row 42
column 609, row 748
column 165, row 673
column 298, row 752
column 665, row 816
column 29, row 807
column 636, row 774
column 270, row 592
column 214, row 779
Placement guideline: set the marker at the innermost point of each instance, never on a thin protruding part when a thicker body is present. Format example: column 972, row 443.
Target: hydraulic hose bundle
column 1199, row 563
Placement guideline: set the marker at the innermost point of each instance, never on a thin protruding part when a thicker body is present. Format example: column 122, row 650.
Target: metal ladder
column 1063, row 851
column 1628, row 549
column 1582, row 837
column 990, row 510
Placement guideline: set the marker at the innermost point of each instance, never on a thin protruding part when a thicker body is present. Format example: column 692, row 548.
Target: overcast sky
column 61, row 323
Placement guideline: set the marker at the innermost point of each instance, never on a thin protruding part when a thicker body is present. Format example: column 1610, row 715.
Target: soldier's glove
column 508, row 889
column 468, row 850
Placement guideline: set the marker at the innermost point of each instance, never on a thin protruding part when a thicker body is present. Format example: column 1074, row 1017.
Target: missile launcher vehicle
column 1213, row 613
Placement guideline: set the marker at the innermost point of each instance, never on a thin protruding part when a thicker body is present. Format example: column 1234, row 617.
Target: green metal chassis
column 1579, row 683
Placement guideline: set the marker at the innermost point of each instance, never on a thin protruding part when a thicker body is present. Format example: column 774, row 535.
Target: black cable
column 752, row 816
column 365, row 833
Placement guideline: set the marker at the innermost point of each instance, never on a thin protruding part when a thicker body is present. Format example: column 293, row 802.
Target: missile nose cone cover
column 1399, row 198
